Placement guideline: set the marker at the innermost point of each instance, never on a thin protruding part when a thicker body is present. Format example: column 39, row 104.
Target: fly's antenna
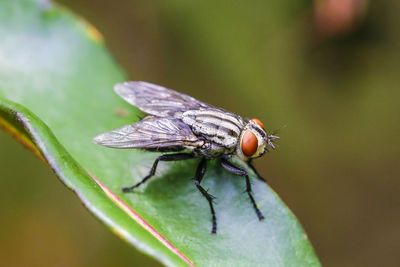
column 270, row 140
column 272, row 137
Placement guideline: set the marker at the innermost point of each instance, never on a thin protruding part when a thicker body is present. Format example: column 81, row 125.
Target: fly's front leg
column 201, row 169
column 167, row 157
column 250, row 164
column 236, row 170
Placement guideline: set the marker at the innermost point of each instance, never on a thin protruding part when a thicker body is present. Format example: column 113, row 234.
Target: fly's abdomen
column 218, row 126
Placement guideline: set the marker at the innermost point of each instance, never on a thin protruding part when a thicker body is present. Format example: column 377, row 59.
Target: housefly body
column 191, row 129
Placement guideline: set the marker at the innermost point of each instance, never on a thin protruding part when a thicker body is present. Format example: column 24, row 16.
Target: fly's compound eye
column 249, row 143
column 257, row 121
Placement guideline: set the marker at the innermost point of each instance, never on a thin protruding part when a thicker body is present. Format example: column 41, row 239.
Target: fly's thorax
column 217, row 126
column 253, row 141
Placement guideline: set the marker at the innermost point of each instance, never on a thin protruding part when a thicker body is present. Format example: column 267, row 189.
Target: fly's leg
column 230, row 167
column 201, row 169
column 250, row 164
column 167, row 157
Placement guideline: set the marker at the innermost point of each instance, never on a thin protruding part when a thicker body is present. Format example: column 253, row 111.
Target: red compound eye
column 258, row 122
column 249, row 143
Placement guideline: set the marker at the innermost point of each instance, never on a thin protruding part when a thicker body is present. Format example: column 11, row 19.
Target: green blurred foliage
column 336, row 166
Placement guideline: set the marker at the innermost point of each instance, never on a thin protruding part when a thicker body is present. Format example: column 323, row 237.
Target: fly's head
column 254, row 141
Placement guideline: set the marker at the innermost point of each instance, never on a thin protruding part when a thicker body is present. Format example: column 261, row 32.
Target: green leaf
column 56, row 68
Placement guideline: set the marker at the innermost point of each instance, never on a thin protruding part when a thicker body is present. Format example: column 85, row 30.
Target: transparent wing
column 151, row 133
column 156, row 100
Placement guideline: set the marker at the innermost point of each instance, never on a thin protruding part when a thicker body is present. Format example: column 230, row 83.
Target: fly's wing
column 156, row 100
column 151, row 133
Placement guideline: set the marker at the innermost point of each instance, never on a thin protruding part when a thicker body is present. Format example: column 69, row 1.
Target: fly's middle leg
column 236, row 170
column 166, row 157
column 201, row 169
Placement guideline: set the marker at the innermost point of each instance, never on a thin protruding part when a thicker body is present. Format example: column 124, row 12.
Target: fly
column 191, row 129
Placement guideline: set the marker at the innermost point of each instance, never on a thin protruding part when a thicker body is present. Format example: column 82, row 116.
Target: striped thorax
column 216, row 126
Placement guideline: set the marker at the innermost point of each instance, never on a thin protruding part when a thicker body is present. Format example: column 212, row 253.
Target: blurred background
column 324, row 73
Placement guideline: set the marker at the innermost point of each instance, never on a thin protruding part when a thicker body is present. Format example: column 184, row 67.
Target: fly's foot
column 128, row 189
column 260, row 215
column 133, row 187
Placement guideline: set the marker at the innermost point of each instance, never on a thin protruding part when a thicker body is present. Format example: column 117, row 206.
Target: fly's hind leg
column 236, row 170
column 166, row 157
column 201, row 169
